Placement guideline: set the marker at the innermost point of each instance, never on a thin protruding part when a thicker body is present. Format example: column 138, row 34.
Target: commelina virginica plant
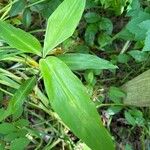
column 67, row 95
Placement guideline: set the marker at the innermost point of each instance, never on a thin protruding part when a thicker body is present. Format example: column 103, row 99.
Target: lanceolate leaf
column 138, row 90
column 69, row 99
column 19, row 39
column 62, row 23
column 85, row 61
column 18, row 99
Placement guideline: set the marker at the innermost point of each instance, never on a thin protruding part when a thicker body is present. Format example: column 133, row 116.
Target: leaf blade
column 70, row 100
column 85, row 61
column 19, row 39
column 19, row 97
column 138, row 90
column 62, row 23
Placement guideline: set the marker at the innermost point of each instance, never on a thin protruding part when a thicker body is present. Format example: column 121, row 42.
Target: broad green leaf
column 85, row 61
column 62, row 23
column 139, row 56
column 145, row 24
column 70, row 100
column 19, row 143
column 19, row 39
column 138, row 90
column 134, row 29
column 17, row 100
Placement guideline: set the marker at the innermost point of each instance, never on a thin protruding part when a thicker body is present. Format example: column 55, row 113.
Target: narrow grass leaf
column 85, row 61
column 8, row 81
column 19, row 39
column 19, row 97
column 70, row 100
column 62, row 23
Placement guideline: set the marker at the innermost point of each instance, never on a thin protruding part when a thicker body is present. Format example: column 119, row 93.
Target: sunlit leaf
column 19, row 39
column 70, row 100
column 62, row 23
column 85, row 61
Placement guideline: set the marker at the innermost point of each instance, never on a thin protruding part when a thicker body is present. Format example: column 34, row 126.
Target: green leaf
column 8, row 81
column 130, row 119
column 70, row 100
column 27, row 18
column 19, row 39
column 6, row 128
column 19, row 144
column 123, row 58
column 16, row 134
column 145, row 24
column 147, row 42
column 17, row 8
column 6, row 53
column 104, row 39
column 17, row 100
column 91, row 17
column 138, row 90
column 85, row 61
column 134, row 28
column 115, row 94
column 62, row 23
column 90, row 34
column 139, row 56
column 105, row 24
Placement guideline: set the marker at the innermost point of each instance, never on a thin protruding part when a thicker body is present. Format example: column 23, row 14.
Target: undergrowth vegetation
column 74, row 74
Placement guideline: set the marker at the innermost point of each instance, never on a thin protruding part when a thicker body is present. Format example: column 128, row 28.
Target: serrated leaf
column 19, row 39
column 69, row 99
column 17, row 100
column 62, row 23
column 85, row 61
column 138, row 90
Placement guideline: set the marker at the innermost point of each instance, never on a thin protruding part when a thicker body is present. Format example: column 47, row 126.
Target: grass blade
column 18, row 99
